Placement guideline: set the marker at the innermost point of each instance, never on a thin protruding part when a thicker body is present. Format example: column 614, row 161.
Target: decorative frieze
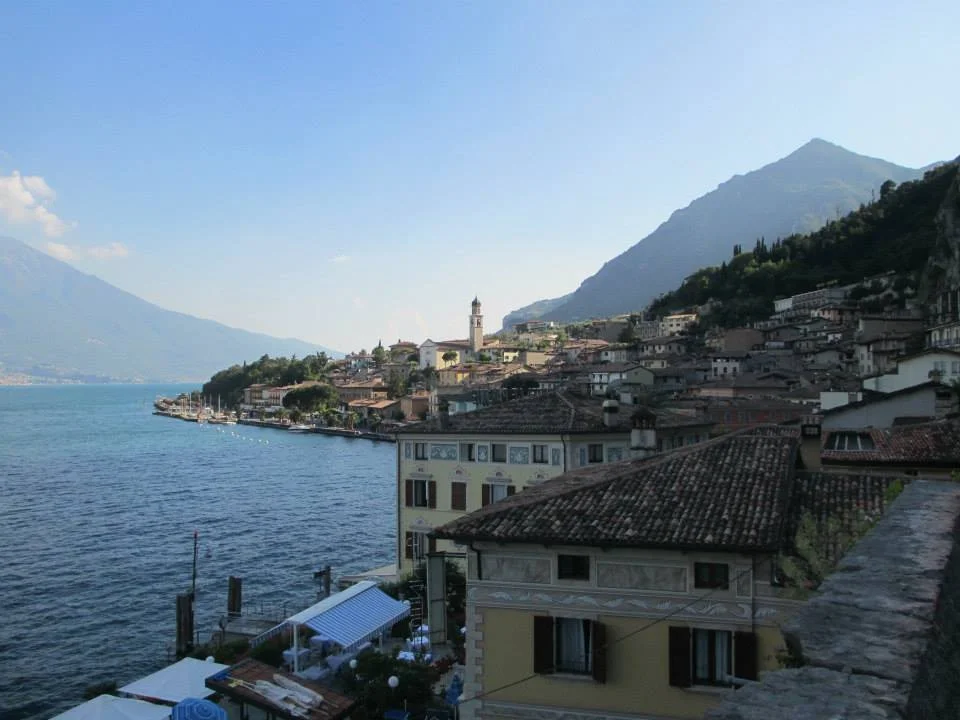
column 492, row 710
column 744, row 581
column 483, row 453
column 555, row 456
column 543, row 600
column 443, row 451
column 407, row 450
column 614, row 454
column 631, row 576
column 515, row 569
column 519, row 455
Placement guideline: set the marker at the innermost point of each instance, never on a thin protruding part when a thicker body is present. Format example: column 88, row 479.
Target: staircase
column 417, row 606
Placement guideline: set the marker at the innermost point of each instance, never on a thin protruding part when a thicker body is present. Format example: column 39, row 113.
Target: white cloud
column 60, row 251
column 97, row 252
column 105, row 252
column 340, row 259
column 24, row 199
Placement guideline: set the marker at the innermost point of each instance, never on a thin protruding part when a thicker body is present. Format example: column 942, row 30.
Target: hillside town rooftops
column 561, row 412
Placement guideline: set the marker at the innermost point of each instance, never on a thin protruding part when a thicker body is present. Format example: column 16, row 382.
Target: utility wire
column 609, row 644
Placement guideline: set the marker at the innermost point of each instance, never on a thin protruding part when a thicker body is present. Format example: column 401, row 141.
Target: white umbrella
column 108, row 707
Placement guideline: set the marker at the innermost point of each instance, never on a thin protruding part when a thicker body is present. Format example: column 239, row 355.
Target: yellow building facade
column 653, row 642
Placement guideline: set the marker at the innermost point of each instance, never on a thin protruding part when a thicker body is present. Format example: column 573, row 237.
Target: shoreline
column 338, row 432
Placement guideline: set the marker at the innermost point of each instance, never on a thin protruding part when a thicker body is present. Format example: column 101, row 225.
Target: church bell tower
column 476, row 327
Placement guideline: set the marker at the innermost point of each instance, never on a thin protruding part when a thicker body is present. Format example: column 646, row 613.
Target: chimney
column 643, row 436
column 444, row 412
column 611, row 413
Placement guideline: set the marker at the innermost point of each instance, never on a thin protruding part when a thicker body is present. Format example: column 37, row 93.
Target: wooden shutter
column 431, row 544
column 485, row 495
column 680, row 664
column 408, row 546
column 510, row 490
column 745, row 655
column 458, row 496
column 408, row 490
column 598, row 649
column 432, row 494
column 542, row 644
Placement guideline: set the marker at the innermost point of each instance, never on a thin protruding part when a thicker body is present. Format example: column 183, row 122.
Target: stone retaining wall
column 882, row 639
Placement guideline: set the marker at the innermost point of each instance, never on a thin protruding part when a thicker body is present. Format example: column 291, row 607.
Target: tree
column 628, row 335
column 888, row 187
column 374, row 420
column 396, row 386
column 450, row 356
column 379, row 355
column 296, row 415
column 484, row 357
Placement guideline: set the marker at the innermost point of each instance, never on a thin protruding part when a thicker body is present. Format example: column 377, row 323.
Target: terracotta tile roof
column 549, row 413
column 726, row 494
column 935, row 444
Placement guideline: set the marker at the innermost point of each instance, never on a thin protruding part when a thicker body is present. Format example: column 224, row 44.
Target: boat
column 300, row 427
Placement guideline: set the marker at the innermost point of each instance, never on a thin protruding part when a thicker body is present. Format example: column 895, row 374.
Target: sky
column 346, row 172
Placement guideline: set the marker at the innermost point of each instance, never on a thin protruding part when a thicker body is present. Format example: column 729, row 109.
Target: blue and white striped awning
column 348, row 618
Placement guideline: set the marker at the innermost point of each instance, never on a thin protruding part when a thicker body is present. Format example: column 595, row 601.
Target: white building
column 916, row 370
column 675, row 324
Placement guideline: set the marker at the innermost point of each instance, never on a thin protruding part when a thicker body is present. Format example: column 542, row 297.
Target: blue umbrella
column 453, row 692
column 194, row 709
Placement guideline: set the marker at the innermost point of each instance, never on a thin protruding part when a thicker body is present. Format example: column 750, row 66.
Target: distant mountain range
column 818, row 182
column 59, row 323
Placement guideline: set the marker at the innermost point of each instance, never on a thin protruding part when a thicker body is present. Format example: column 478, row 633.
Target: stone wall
column 882, row 639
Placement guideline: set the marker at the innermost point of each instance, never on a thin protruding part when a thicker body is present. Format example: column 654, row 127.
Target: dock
column 339, row 432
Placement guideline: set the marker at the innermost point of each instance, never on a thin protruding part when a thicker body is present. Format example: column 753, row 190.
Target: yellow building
column 641, row 589
column 452, row 465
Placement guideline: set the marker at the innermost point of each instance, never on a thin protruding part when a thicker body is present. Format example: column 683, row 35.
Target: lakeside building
column 455, row 464
column 676, row 324
column 641, row 589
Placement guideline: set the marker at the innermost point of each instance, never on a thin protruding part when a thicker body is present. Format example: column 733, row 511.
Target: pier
column 339, row 432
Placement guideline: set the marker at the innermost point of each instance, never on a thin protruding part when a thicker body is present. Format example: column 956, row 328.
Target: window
column 420, row 493
column 711, row 657
column 711, row 576
column 468, row 452
column 418, row 544
column 569, row 645
column 494, row 492
column 420, row 451
column 498, row 451
column 573, row 567
column 458, row 496
column 595, row 452
column 540, row 453
column 850, row 441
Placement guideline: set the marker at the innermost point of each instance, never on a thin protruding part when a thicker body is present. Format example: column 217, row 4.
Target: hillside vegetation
column 228, row 384
column 815, row 184
column 895, row 233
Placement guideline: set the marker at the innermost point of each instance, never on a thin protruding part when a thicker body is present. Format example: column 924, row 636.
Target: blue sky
column 342, row 171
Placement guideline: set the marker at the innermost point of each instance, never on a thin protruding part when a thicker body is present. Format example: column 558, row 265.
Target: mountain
column 799, row 193
column 533, row 311
column 911, row 230
column 58, row 322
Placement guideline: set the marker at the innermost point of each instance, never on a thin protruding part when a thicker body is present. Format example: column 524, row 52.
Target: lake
column 99, row 500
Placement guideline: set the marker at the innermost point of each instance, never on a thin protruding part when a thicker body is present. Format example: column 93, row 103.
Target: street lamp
column 393, row 681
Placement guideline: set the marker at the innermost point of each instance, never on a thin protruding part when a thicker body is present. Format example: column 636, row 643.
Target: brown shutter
column 409, row 493
column 408, row 551
column 680, row 656
column 510, row 490
column 542, row 644
column 745, row 655
column 598, row 647
column 485, row 499
column 431, row 544
column 432, row 494
column 458, row 496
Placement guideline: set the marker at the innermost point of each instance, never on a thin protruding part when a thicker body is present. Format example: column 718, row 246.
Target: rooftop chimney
column 643, row 436
column 611, row 413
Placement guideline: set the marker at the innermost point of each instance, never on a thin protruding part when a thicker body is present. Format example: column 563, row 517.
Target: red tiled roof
column 935, row 444
column 726, row 494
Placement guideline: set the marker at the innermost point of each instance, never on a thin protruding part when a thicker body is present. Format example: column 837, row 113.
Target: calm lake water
column 99, row 500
